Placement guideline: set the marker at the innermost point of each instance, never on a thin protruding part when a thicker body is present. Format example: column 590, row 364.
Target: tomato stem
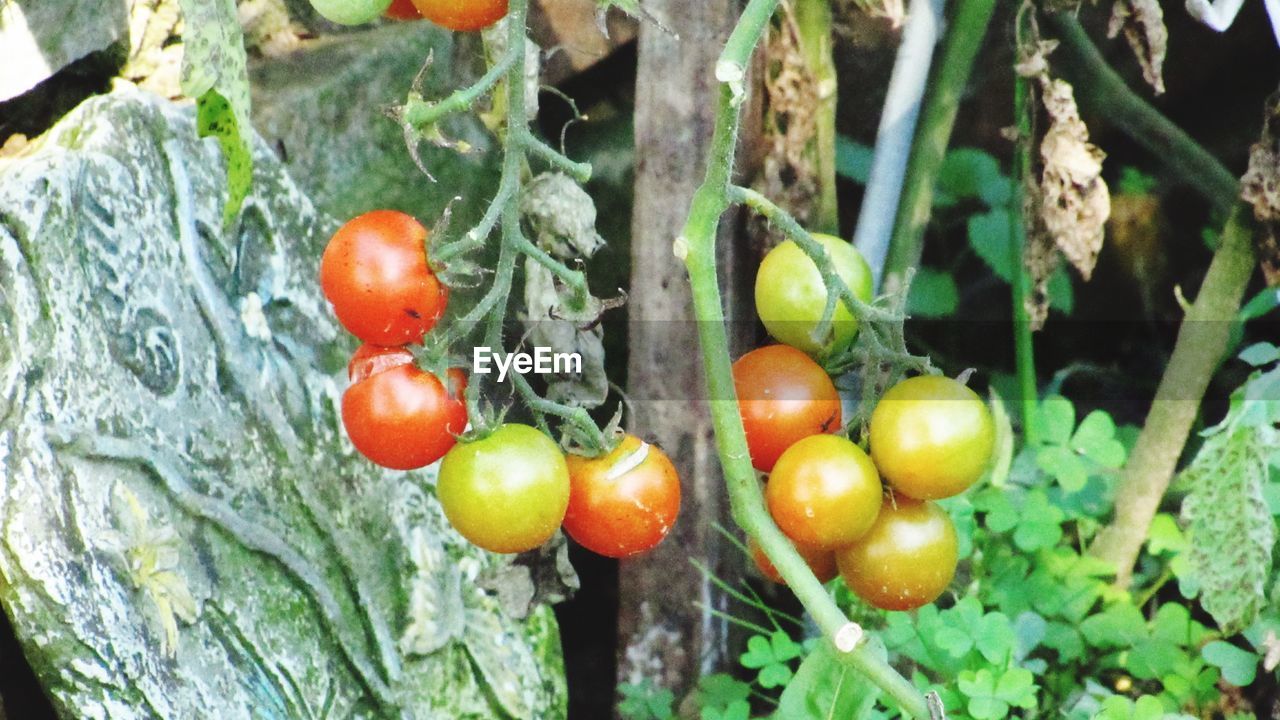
column 697, row 246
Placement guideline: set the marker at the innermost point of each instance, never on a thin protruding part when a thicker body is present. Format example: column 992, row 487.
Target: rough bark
column 663, row 634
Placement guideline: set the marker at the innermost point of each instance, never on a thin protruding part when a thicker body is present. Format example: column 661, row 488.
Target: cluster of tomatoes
column 930, row 438
column 458, row 15
column 510, row 489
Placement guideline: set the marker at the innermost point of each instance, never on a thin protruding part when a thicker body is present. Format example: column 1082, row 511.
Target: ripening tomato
column 403, row 10
column 821, row 562
column 623, row 503
column 784, row 396
column 931, row 437
column 507, row 492
column 375, row 273
column 399, row 416
column 350, row 12
column 462, row 15
column 370, row 360
column 791, row 296
column 824, row 492
column 906, row 560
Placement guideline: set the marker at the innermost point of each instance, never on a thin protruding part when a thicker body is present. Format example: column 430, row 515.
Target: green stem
column 1202, row 342
column 1024, row 348
column 421, row 113
column 937, row 121
column 697, row 245
column 814, row 19
column 1106, row 93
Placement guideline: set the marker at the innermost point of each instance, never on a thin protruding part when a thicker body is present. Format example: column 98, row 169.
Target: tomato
column 462, row 15
column 370, row 360
column 824, row 492
column 403, row 10
column 931, row 437
column 906, row 560
column 375, row 273
column 399, row 416
column 784, row 396
column 350, row 12
column 791, row 296
column 821, row 562
column 507, row 492
column 623, row 503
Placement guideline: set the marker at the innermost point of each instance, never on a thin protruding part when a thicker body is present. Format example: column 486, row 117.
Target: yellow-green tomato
column 507, row 492
column 931, row 437
column 907, row 558
column 791, row 296
column 351, row 12
column 824, row 492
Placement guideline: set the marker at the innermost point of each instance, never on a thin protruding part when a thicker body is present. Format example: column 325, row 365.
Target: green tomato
column 507, row 492
column 790, row 294
column 351, row 12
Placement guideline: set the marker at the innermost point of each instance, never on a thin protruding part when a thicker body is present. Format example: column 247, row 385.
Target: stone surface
column 184, row 531
column 40, row 37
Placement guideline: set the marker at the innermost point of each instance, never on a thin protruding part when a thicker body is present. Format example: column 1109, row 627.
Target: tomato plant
column 931, row 437
column 350, row 12
column 399, row 416
column 906, row 559
column 375, row 273
column 824, row 492
column 784, row 396
column 791, row 295
column 506, row 492
column 462, row 15
column 625, row 502
column 821, row 561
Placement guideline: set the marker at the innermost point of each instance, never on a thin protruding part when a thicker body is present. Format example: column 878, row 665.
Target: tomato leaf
column 933, row 294
column 214, row 73
column 825, row 688
column 1227, row 516
column 990, row 235
column 1239, row 667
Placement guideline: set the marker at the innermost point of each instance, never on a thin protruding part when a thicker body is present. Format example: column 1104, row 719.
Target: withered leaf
column 1260, row 187
column 1142, row 22
column 1075, row 202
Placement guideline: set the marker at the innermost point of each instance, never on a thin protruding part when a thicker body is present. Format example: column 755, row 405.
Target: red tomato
column 369, row 360
column 824, row 492
column 462, row 15
column 403, row 418
column 623, row 503
column 403, row 10
column 821, row 562
column 907, row 558
column 375, row 273
column 784, row 396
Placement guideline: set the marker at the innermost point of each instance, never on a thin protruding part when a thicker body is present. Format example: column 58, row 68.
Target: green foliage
column 1071, row 454
column 645, row 701
column 771, row 657
column 1226, row 510
column 932, row 294
column 825, row 688
column 214, row 73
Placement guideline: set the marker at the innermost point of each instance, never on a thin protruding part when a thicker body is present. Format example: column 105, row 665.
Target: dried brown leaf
column 792, row 104
column 1260, row 187
column 1075, row 202
column 1142, row 22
